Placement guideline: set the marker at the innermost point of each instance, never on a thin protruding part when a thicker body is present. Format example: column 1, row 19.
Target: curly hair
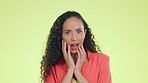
column 53, row 51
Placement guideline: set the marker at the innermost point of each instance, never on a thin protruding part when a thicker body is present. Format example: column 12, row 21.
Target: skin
column 73, row 33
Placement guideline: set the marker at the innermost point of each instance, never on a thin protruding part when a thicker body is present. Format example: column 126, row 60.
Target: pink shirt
column 96, row 70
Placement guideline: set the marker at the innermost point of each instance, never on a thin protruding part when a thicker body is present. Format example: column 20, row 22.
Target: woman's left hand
column 81, row 59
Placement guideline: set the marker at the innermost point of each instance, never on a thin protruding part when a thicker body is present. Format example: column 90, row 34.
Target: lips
column 74, row 46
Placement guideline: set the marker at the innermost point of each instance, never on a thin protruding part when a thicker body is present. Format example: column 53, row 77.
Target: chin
column 74, row 51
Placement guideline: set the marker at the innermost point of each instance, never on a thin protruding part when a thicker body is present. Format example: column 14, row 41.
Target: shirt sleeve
column 51, row 78
column 105, row 75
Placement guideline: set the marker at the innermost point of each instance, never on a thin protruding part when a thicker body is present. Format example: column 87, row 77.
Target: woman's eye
column 67, row 32
column 79, row 31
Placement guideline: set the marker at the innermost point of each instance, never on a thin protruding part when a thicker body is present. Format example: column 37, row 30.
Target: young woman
column 71, row 53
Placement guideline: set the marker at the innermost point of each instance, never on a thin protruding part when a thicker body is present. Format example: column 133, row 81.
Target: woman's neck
column 74, row 56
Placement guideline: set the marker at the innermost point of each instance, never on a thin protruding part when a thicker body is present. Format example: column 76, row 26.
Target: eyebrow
column 70, row 30
column 79, row 29
column 66, row 30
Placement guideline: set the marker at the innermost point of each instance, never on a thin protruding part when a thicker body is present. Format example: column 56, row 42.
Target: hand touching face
column 81, row 56
column 72, row 67
column 67, row 55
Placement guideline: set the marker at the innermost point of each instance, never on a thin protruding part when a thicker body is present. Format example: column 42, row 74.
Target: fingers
column 82, row 48
column 82, row 53
column 68, row 50
column 66, row 53
column 63, row 45
column 64, row 49
column 78, row 56
column 81, row 58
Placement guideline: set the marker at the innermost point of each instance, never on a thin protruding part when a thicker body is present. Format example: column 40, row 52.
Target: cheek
column 66, row 39
column 81, row 39
column 63, row 37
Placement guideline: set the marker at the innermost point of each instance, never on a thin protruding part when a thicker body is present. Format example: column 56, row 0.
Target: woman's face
column 73, row 33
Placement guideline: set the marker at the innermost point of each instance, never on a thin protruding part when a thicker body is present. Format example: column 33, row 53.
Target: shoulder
column 99, row 57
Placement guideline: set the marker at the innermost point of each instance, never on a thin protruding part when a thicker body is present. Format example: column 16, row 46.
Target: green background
column 120, row 28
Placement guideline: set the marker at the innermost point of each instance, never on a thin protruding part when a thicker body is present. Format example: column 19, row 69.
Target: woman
column 71, row 53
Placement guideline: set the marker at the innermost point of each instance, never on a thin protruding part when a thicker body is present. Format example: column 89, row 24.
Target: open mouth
column 74, row 46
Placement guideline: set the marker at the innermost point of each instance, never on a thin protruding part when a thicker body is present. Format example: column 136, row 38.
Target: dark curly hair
column 53, row 52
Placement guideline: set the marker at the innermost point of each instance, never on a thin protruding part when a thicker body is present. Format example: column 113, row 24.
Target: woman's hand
column 72, row 68
column 81, row 59
column 70, row 63
column 67, row 56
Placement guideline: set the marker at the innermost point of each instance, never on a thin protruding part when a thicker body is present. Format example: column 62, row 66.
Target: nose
column 74, row 37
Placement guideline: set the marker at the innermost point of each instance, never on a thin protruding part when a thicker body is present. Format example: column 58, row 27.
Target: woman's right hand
column 67, row 55
column 69, row 61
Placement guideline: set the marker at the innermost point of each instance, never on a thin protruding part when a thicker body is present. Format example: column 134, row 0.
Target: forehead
column 73, row 23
